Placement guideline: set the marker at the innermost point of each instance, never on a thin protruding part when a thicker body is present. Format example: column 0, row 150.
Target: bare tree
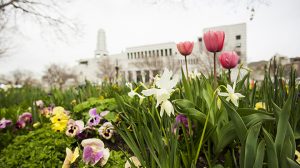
column 106, row 69
column 58, row 75
column 47, row 14
column 20, row 77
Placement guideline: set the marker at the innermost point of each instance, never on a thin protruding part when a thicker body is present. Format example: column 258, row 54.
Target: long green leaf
column 251, row 145
column 260, row 154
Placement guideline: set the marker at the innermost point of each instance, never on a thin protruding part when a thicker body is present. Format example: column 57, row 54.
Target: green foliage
column 116, row 159
column 39, row 148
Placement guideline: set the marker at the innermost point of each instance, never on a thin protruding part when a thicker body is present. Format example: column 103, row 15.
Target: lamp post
column 117, row 71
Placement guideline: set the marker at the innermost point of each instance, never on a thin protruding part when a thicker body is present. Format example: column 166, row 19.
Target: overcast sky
column 274, row 29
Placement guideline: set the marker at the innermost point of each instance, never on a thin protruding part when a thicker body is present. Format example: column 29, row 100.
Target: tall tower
column 101, row 44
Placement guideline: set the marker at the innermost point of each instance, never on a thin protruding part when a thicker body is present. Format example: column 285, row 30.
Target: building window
column 238, row 37
column 166, row 52
column 153, row 53
column 135, row 55
column 170, row 50
column 157, row 52
column 147, row 76
column 161, row 52
column 129, row 76
column 149, row 53
column 146, row 54
column 127, row 55
column 138, row 76
column 155, row 72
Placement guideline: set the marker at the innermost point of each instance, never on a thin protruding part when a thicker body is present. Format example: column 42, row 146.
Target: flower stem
column 186, row 67
column 215, row 71
column 201, row 139
column 229, row 77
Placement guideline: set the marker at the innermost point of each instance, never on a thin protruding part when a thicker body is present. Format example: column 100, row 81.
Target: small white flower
column 233, row 97
column 194, row 74
column 132, row 93
column 162, row 93
column 135, row 161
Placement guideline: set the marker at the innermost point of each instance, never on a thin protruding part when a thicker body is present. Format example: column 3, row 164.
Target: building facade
column 142, row 63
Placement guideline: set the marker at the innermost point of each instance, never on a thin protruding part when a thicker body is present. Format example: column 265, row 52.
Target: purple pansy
column 74, row 127
column 94, row 152
column 26, row 117
column 20, row 124
column 4, row 123
column 95, row 117
column 180, row 118
column 90, row 156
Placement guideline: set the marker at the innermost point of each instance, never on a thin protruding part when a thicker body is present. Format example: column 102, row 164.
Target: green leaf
column 240, row 126
column 260, row 154
column 187, row 88
column 271, row 150
column 292, row 163
column 250, row 145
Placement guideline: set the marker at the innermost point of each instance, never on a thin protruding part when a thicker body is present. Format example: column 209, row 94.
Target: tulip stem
column 215, row 71
column 186, row 67
column 229, row 77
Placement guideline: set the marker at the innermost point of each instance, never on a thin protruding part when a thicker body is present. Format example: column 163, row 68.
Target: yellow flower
column 260, row 105
column 59, row 127
column 101, row 98
column 70, row 157
column 73, row 102
column 297, row 153
column 37, row 124
column 219, row 103
column 59, row 119
column 58, row 110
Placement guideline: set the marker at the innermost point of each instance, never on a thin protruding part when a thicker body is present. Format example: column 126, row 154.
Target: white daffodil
column 233, row 97
column 162, row 93
column 132, row 93
column 194, row 74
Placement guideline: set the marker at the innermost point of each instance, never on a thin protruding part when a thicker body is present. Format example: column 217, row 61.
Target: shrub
column 39, row 148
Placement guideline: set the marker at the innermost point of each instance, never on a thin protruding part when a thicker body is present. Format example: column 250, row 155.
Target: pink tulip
column 185, row 48
column 229, row 59
column 214, row 41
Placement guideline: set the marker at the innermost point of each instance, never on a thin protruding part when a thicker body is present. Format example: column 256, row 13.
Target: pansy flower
column 26, row 117
column 94, row 152
column 106, row 130
column 134, row 160
column 4, row 123
column 59, row 119
column 70, row 157
column 95, row 117
column 39, row 104
column 20, row 124
column 74, row 127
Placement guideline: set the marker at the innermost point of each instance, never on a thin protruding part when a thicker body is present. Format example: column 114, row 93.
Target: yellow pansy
column 297, row 153
column 260, row 105
column 58, row 110
column 59, row 126
column 70, row 157
column 59, row 119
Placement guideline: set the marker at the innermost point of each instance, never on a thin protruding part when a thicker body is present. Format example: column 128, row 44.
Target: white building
column 141, row 63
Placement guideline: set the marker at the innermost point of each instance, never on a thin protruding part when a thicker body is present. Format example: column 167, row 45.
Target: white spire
column 101, row 44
